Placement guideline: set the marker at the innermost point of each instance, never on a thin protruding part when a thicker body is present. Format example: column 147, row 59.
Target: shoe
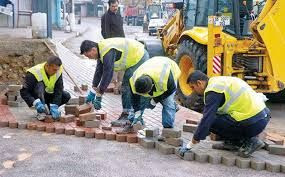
column 250, row 146
column 121, row 121
column 227, row 145
column 127, row 129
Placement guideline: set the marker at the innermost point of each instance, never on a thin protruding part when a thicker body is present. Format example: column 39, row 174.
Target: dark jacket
column 112, row 25
column 30, row 91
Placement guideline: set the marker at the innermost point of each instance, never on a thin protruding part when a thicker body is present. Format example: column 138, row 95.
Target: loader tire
column 190, row 56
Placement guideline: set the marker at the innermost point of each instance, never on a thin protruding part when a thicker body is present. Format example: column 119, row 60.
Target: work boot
column 127, row 129
column 227, row 145
column 250, row 146
column 121, row 121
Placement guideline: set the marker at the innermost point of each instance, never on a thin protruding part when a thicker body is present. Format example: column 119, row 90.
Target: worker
column 156, row 79
column 112, row 21
column 113, row 54
column 42, row 85
column 233, row 111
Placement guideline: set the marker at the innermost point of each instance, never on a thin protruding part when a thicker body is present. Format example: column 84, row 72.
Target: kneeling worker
column 42, row 85
column 156, row 79
column 233, row 111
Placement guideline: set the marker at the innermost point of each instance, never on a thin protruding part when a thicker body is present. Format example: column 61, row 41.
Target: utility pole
column 49, row 18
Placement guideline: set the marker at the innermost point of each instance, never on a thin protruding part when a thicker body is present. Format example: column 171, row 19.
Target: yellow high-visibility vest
column 40, row 74
column 158, row 68
column 241, row 101
column 132, row 51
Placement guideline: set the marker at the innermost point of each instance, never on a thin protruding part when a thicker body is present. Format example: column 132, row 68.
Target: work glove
column 40, row 107
column 97, row 103
column 91, row 96
column 188, row 148
column 152, row 104
column 138, row 118
column 54, row 111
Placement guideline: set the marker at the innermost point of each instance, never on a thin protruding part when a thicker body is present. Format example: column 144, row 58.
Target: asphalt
column 34, row 154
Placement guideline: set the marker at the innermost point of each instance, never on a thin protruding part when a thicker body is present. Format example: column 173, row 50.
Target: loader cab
column 197, row 11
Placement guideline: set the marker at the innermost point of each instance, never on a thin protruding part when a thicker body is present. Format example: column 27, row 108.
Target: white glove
column 36, row 101
column 190, row 145
column 152, row 102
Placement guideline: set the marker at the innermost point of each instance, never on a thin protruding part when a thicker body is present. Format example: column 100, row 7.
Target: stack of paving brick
column 274, row 143
column 14, row 98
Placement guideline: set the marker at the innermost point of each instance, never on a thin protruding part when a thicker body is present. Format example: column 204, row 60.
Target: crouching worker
column 233, row 111
column 156, row 80
column 43, row 85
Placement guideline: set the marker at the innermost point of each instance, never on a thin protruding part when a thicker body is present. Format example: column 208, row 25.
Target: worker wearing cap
column 233, row 111
column 114, row 54
column 156, row 79
column 43, row 84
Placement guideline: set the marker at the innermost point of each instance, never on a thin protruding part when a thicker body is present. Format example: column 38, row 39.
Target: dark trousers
column 64, row 99
column 229, row 129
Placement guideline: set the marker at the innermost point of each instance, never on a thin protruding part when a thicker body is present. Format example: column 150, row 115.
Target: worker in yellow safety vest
column 43, row 85
column 156, row 80
column 113, row 54
column 233, row 111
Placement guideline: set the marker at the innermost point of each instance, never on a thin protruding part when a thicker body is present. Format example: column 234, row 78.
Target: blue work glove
column 40, row 107
column 54, row 111
column 138, row 118
column 97, row 103
column 91, row 96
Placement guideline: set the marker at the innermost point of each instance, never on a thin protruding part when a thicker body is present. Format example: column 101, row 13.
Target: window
column 225, row 7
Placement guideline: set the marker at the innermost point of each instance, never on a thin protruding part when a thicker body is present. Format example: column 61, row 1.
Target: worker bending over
column 233, row 111
column 42, row 85
column 156, row 79
column 119, row 54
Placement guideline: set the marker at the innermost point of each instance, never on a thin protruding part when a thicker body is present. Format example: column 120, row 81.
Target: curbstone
column 111, row 136
column 107, row 128
column 102, row 114
column 190, row 128
column 90, row 134
column 228, row 160
column 283, row 168
column 267, row 144
column 82, row 109
column 14, row 88
column 257, row 164
column 242, row 162
column 67, row 118
column 147, row 143
column 59, row 129
column 31, row 126
column 132, row 138
column 79, row 132
column 189, row 156
column 14, row 104
column 201, row 157
column 87, row 116
column 13, row 124
column 164, row 148
column 121, row 137
column 50, row 129
column 99, row 134
column 92, row 124
column 273, row 167
column 174, row 141
column 276, row 149
column 70, row 109
column 22, row 125
column 171, row 133
column 4, row 123
column 41, row 127
column 152, row 132
column 69, row 130
column 215, row 158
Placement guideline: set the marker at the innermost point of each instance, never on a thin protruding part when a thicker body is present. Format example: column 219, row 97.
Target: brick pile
column 14, row 98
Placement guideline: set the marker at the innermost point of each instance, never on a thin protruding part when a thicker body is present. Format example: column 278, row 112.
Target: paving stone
column 92, row 124
column 189, row 128
column 132, row 138
column 121, row 137
column 257, row 164
column 67, row 118
column 11, row 98
column 50, row 128
column 276, row 140
column 277, row 149
column 31, row 126
column 22, row 125
column 48, row 119
column 82, row 99
column 147, row 143
column 82, row 109
column 79, row 132
column 273, row 166
column 59, row 129
column 14, row 88
column 13, row 124
column 70, row 109
column 89, row 133
column 243, row 162
column 174, row 141
column 13, row 94
column 98, row 117
column 4, row 123
column 152, row 132
column 87, row 116
column 201, row 157
column 107, row 128
column 102, row 114
column 164, row 148
column 73, row 101
column 110, row 136
column 215, row 158
column 267, row 144
column 99, row 134
column 14, row 103
column 78, row 122
column 228, row 160
column 41, row 127
column 84, row 87
column 192, row 121
column 171, row 133
column 189, row 156
column 283, row 168
column 69, row 130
